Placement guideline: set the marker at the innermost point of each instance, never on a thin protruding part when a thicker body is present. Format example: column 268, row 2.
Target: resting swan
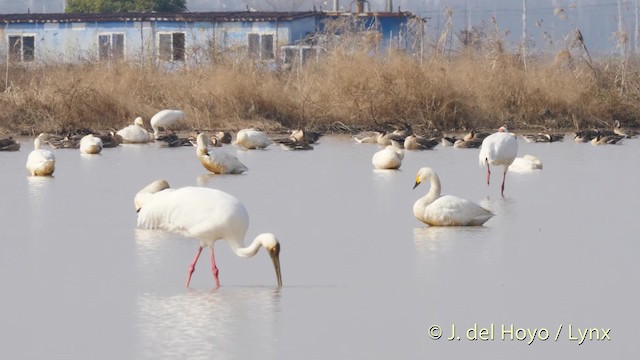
column 135, row 133
column 388, row 158
column 436, row 210
column 217, row 161
column 41, row 162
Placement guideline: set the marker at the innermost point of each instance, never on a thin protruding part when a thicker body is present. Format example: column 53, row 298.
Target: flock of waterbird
column 210, row 215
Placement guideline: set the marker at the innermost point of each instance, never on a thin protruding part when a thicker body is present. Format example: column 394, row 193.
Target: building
column 177, row 39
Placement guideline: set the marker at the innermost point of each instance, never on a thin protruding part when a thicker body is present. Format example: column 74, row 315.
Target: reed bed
column 349, row 88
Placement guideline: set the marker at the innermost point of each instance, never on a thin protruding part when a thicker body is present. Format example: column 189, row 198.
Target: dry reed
column 357, row 85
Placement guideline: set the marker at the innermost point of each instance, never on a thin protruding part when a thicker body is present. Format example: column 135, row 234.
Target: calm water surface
column 363, row 279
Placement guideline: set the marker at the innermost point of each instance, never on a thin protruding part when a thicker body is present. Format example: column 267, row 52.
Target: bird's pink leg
column 192, row 267
column 488, row 171
column 214, row 268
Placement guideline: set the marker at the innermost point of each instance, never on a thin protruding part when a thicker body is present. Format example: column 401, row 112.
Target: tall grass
column 354, row 86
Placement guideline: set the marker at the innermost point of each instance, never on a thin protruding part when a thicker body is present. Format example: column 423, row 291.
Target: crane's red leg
column 192, row 267
column 214, row 268
column 504, row 176
column 488, row 170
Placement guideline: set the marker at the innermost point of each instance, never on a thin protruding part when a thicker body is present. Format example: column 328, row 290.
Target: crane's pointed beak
column 275, row 258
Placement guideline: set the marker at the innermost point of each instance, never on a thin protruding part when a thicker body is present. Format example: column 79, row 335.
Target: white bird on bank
column 388, row 158
column 436, row 210
column 525, row 164
column 252, row 139
column 135, row 133
column 206, row 214
column 500, row 149
column 90, row 144
column 40, row 162
column 165, row 119
column 217, row 161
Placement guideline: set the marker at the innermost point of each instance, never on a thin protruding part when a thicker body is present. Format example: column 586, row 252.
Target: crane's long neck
column 248, row 251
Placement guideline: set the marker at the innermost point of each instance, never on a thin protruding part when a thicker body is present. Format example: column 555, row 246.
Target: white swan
column 206, row 214
column 252, row 139
column 41, row 162
column 499, row 149
column 448, row 210
column 525, row 164
column 388, row 158
column 135, row 133
column 217, row 161
column 90, row 144
column 165, row 119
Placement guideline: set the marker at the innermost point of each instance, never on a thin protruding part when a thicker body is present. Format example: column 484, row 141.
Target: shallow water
column 362, row 278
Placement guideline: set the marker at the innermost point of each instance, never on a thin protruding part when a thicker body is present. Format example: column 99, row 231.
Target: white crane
column 499, row 149
column 165, row 119
column 206, row 214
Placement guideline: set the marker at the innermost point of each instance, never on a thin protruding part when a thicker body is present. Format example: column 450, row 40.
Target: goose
column 63, row 142
column 309, row 137
column 601, row 139
column 173, row 140
column 467, row 144
column 135, row 133
column 217, row 161
column 293, row 144
column 110, row 139
column 448, row 210
column 415, row 142
column 9, row 144
column 625, row 132
column 223, row 137
column 367, row 137
column 499, row 149
column 41, row 162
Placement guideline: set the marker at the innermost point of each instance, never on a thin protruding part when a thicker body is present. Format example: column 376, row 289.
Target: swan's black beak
column 416, row 184
column 275, row 258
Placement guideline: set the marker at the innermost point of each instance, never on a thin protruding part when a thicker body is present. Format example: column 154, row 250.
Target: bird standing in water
column 206, row 214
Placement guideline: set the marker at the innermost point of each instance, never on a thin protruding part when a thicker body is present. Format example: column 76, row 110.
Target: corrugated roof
column 152, row 16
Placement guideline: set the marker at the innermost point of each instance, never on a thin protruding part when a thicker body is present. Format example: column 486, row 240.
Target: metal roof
column 235, row 16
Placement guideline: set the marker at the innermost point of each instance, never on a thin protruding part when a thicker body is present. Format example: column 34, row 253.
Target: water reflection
column 209, row 324
column 431, row 240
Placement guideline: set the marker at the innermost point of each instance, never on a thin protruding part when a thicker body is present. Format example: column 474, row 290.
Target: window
column 296, row 55
column 261, row 46
column 171, row 46
column 111, row 46
column 22, row 48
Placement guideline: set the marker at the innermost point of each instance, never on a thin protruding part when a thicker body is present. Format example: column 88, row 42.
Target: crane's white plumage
column 90, row 144
column 205, row 214
column 499, row 149
column 388, row 158
column 252, row 139
column 217, row 161
column 525, row 164
column 135, row 133
column 40, row 162
column 165, row 119
column 436, row 210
